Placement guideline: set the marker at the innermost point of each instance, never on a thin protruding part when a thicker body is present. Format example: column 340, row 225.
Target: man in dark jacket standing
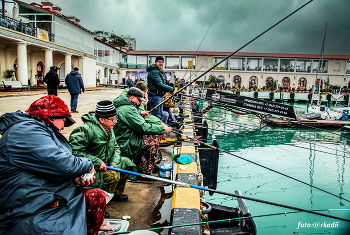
column 75, row 85
column 52, row 80
column 156, row 80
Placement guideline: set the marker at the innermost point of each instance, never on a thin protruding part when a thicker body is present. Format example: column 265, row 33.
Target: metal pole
column 3, row 8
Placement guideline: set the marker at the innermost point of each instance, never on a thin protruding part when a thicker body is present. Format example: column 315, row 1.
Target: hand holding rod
column 227, row 57
column 224, row 193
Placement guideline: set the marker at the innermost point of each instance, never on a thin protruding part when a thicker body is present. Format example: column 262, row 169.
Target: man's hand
column 103, row 166
column 174, row 91
column 80, row 181
column 167, row 129
column 145, row 114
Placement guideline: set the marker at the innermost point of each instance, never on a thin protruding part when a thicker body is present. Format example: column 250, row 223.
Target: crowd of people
column 48, row 180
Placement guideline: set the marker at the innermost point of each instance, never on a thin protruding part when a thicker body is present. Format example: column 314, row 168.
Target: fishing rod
column 227, row 57
column 242, row 158
column 221, row 192
column 213, row 221
column 273, row 141
column 252, row 129
column 289, row 121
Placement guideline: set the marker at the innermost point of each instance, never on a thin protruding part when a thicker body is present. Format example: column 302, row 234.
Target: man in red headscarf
column 40, row 180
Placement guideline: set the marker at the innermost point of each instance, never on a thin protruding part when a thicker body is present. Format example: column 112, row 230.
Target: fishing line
column 214, row 221
column 194, row 56
column 273, row 141
column 221, row 192
column 242, row 158
column 294, row 123
column 227, row 57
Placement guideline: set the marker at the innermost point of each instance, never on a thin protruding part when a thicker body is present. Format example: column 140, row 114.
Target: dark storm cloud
column 182, row 24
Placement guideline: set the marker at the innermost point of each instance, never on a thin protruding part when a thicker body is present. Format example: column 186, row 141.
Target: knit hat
column 53, row 68
column 141, row 85
column 159, row 58
column 50, row 107
column 105, row 109
column 136, row 92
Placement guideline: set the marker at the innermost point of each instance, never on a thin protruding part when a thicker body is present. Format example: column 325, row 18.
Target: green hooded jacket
column 131, row 127
column 150, row 119
column 90, row 140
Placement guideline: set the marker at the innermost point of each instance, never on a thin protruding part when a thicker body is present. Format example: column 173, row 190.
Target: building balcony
column 21, row 27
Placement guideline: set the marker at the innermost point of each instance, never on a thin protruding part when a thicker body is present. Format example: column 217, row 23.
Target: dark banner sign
column 263, row 106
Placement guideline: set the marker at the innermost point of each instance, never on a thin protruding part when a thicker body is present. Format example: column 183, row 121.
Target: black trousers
column 52, row 91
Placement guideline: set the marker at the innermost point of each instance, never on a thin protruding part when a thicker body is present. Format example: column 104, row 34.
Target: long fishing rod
column 294, row 123
column 273, row 141
column 252, row 129
column 204, row 37
column 221, row 192
column 242, row 158
column 212, row 221
column 227, row 57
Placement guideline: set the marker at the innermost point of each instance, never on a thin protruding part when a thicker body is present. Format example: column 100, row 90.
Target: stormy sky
column 181, row 25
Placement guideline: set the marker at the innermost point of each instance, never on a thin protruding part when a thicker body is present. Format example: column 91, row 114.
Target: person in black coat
column 52, row 80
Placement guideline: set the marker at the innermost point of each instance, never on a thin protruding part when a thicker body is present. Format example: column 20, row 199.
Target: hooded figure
column 39, row 174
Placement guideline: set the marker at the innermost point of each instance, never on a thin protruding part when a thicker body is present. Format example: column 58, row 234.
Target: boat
column 308, row 116
column 325, row 112
column 244, row 226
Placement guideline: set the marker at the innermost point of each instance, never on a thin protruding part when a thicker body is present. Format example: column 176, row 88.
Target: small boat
column 308, row 116
column 235, row 227
column 326, row 113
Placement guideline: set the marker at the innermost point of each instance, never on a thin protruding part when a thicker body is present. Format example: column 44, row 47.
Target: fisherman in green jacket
column 94, row 139
column 131, row 126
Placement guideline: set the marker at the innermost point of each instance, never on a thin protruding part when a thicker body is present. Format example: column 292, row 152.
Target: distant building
column 102, row 34
column 131, row 42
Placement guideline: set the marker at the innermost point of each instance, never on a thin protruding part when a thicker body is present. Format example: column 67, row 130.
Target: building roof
column 38, row 7
column 238, row 54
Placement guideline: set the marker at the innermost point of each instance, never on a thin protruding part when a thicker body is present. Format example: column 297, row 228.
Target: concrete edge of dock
column 186, row 201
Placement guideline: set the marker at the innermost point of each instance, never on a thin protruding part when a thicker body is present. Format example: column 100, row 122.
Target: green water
column 280, row 149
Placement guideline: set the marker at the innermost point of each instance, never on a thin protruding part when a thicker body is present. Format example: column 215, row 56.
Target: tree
column 213, row 79
column 104, row 39
column 117, row 41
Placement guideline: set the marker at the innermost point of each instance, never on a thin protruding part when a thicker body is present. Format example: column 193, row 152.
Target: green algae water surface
column 318, row 157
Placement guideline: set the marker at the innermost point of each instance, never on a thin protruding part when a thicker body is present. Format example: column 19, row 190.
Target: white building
column 43, row 37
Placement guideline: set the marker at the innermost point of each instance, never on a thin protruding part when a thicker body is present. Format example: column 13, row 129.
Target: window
column 172, row 62
column 254, row 64
column 303, row 66
column 44, row 25
column 287, row 65
column 348, row 67
column 222, row 66
column 29, row 17
column 237, row 63
column 43, row 17
column 321, row 69
column 270, row 65
column 186, row 61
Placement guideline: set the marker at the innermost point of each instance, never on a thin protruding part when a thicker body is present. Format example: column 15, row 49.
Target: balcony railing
column 19, row 26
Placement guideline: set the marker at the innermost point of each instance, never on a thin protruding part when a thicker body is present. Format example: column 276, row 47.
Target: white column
column 8, row 64
column 32, row 69
column 81, row 66
column 22, row 67
column 67, row 64
column 48, row 61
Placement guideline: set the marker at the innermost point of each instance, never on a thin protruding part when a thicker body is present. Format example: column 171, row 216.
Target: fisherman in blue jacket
column 75, row 86
column 39, row 178
column 156, row 80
